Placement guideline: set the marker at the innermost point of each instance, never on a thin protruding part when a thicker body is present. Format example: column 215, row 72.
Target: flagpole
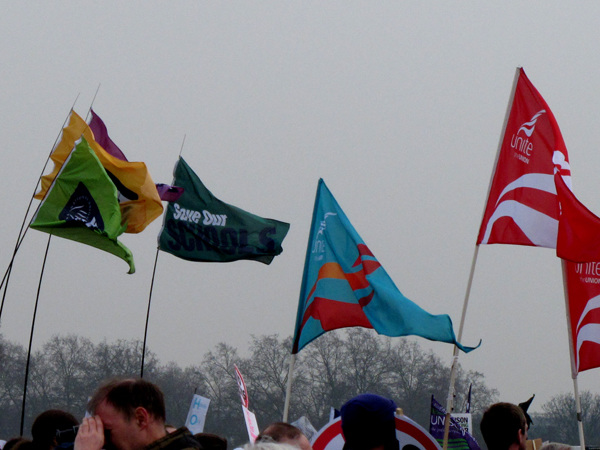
column 572, row 354
column 152, row 283
column 450, row 401
column 23, row 229
column 453, row 369
column 288, row 389
column 87, row 116
column 37, row 298
column 181, row 150
column 148, row 315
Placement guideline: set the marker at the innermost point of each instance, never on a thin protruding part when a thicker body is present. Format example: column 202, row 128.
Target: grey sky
column 397, row 105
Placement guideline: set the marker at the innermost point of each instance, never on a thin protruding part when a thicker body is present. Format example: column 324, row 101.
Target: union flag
column 583, row 292
column 522, row 206
column 344, row 285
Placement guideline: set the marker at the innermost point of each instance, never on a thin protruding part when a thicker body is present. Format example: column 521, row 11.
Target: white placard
column 197, row 414
column 251, row 424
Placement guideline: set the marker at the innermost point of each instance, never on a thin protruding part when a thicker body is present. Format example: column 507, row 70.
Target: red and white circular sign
column 408, row 432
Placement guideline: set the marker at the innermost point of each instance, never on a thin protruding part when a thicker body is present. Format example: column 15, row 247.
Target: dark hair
column 46, row 425
column 211, row 441
column 279, row 431
column 500, row 425
column 20, row 444
column 127, row 395
column 14, row 442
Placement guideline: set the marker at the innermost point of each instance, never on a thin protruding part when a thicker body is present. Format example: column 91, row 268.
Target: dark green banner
column 200, row 227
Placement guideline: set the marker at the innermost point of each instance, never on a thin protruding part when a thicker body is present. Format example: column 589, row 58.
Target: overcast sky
column 397, row 105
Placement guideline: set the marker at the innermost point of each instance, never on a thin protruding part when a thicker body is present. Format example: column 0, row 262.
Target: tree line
column 332, row 369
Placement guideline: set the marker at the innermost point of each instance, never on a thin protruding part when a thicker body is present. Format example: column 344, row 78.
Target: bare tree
column 558, row 423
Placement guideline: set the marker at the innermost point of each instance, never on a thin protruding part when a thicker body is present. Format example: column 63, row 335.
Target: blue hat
column 368, row 421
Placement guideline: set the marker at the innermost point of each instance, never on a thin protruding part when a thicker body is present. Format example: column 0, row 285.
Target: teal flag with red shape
column 345, row 286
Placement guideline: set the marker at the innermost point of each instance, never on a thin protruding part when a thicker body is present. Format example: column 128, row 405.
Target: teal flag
column 200, row 227
column 82, row 205
column 345, row 286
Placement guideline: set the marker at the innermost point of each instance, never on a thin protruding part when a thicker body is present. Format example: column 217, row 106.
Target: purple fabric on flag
column 458, row 434
column 101, row 136
column 169, row 193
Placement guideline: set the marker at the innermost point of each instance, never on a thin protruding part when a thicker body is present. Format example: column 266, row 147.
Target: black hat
column 368, row 421
column 525, row 406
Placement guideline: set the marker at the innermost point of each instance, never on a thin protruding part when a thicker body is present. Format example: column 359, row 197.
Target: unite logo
column 521, row 144
column 319, row 243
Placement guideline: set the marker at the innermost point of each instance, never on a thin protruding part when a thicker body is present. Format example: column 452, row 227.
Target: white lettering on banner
column 319, row 243
column 438, row 419
column 191, row 215
column 522, row 145
column 186, row 215
column 591, row 268
column 588, row 272
column 218, row 220
column 522, row 158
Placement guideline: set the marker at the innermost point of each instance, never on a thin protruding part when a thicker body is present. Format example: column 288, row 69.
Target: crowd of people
column 129, row 414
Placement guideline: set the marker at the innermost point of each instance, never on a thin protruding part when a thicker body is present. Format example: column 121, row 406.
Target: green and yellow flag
column 82, row 205
column 138, row 198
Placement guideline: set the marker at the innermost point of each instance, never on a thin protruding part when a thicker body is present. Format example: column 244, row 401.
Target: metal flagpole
column 288, row 389
column 37, row 298
column 450, row 401
column 148, row 315
column 572, row 353
column 22, row 236
column 23, row 229
column 152, row 282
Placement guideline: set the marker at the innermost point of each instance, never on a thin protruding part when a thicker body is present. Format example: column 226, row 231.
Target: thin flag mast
column 23, row 229
column 151, row 288
column 454, row 365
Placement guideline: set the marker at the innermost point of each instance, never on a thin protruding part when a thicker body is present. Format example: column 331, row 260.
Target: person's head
column 555, row 446
column 15, row 442
column 210, row 441
column 132, row 412
column 268, row 445
column 45, row 426
column 503, row 426
column 368, row 422
column 286, row 433
column 23, row 444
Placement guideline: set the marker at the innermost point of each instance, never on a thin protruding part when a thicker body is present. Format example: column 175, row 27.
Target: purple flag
column 169, row 193
column 101, row 136
column 458, row 438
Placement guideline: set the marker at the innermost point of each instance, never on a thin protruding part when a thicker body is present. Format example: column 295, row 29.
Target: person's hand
column 90, row 435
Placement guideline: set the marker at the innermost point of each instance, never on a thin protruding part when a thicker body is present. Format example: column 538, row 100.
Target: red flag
column 578, row 228
column 583, row 291
column 522, row 206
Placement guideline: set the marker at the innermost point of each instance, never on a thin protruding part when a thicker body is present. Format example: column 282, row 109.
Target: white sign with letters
column 197, row 414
